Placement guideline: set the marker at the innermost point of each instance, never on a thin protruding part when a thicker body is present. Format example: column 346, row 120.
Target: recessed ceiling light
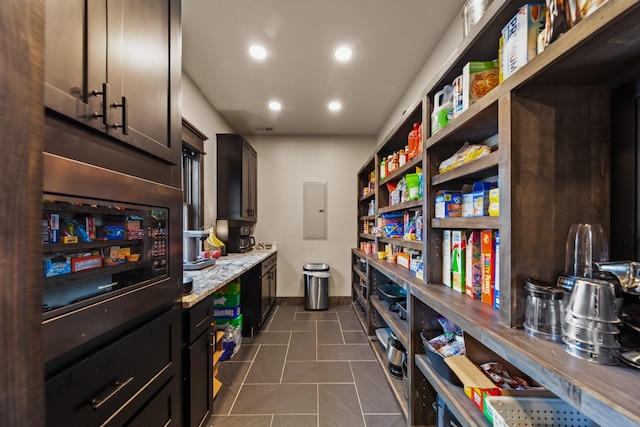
column 335, row 106
column 275, row 106
column 343, row 53
column 258, row 52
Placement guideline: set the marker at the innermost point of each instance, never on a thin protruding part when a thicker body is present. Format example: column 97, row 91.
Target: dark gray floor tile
column 317, row 372
column 284, row 313
column 277, row 399
column 318, row 315
column 288, row 325
column 267, row 365
column 329, row 332
column 385, row 420
column 240, row 421
column 245, row 353
column 295, row 421
column 345, row 352
column 349, row 321
column 231, row 375
column 373, row 389
column 338, row 406
column 302, row 346
column 268, row 337
column 355, row 337
column 340, row 308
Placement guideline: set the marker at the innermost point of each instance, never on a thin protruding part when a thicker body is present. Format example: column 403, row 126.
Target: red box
column 487, row 238
column 86, row 263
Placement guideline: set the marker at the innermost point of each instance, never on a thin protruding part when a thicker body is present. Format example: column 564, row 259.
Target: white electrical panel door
column 314, row 205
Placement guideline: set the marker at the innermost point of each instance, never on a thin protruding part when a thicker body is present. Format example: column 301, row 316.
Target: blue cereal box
column 520, row 37
column 448, row 204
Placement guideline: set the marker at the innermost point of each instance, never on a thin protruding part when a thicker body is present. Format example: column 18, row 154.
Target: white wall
column 199, row 111
column 284, row 163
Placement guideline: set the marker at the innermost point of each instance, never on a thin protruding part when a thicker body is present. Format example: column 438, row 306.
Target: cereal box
column 496, row 274
column 488, row 265
column 520, row 38
column 448, row 204
column 473, row 267
column 446, row 258
column 478, row 79
column 458, row 249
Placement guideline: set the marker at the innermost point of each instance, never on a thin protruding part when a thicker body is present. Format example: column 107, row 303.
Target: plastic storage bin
column 316, row 286
column 534, row 411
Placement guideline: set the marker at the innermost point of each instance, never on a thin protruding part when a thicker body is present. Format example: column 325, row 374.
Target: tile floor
column 306, row 368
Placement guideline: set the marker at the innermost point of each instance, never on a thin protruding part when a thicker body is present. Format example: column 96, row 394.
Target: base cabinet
column 258, row 295
column 197, row 368
column 163, row 409
column 115, row 384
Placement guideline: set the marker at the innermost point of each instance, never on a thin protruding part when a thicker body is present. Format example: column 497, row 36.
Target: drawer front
column 198, row 319
column 97, row 389
column 163, row 410
column 269, row 263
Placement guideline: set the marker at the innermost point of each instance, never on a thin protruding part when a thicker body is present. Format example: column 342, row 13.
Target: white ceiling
column 391, row 40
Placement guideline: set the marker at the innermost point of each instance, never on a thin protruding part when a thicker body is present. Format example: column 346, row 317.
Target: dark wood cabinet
column 237, row 163
column 197, row 369
column 258, row 295
column 114, row 65
column 110, row 386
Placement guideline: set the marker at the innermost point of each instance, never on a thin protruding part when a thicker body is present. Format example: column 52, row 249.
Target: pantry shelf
column 367, row 236
column 475, row 223
column 483, row 167
column 413, row 244
column 417, row 203
column 395, row 383
column 460, row 405
column 397, row 325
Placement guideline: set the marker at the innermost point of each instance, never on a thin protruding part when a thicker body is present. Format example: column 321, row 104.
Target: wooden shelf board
column 358, row 295
column 367, row 197
column 413, row 244
column 367, row 236
column 482, row 222
column 591, row 388
column 362, row 275
column 393, row 271
column 460, row 405
column 394, row 383
column 480, row 168
column 359, row 315
column 366, row 217
column 397, row 325
column 417, row 203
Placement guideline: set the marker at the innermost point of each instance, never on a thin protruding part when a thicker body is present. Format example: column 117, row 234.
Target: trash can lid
column 316, row 267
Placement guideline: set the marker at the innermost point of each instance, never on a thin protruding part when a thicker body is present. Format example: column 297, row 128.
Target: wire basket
column 534, row 412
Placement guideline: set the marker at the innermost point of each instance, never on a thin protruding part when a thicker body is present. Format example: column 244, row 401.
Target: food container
column 436, row 359
column 544, row 309
column 472, row 11
column 392, row 293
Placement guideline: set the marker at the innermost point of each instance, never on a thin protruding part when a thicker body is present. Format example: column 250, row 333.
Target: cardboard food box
column 448, row 204
column 488, row 265
column 446, row 257
column 403, row 259
column 57, row 266
column 481, row 198
column 478, row 79
column 467, row 201
column 473, row 267
column 496, row 274
column 494, row 202
column 458, row 259
column 520, row 37
column 86, row 263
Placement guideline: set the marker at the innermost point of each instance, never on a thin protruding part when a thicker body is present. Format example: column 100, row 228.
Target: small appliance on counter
column 236, row 235
column 191, row 242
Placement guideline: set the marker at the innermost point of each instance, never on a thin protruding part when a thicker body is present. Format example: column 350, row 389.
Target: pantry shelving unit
column 551, row 120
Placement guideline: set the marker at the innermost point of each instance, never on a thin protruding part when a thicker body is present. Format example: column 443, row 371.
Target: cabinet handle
column 98, row 402
column 125, row 112
column 105, row 95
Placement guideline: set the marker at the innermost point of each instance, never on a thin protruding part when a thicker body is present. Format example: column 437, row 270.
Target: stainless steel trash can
column 316, row 286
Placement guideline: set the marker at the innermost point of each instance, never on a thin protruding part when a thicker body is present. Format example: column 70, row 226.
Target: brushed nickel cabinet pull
column 98, row 402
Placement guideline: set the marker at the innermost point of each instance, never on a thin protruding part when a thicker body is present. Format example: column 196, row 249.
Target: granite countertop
column 226, row 269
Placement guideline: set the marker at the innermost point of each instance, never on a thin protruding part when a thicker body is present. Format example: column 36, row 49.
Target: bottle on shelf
column 383, row 168
column 413, row 141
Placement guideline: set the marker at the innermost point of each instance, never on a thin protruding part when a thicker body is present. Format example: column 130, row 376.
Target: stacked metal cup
column 590, row 325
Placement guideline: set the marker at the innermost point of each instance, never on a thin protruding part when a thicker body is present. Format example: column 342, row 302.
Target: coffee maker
column 236, row 235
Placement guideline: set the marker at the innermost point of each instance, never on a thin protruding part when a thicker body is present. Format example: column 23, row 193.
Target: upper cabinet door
column 115, row 65
column 75, row 61
column 143, row 37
